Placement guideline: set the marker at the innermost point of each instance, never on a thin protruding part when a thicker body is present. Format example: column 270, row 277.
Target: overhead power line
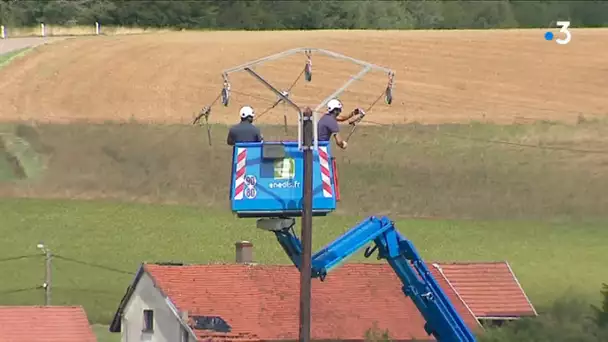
column 90, row 264
column 5, row 292
column 96, row 291
column 21, row 257
column 501, row 142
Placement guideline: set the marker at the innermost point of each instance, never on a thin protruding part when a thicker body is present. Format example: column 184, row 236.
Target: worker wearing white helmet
column 245, row 131
column 328, row 124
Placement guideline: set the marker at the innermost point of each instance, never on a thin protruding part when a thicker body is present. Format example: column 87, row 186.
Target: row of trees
column 305, row 14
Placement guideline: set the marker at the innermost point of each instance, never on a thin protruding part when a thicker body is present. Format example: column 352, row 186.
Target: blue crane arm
column 442, row 319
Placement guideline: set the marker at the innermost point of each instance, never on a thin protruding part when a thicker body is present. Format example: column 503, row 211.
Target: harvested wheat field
column 441, row 76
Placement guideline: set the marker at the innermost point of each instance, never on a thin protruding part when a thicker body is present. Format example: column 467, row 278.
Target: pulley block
column 225, row 97
column 308, row 73
column 226, row 91
column 308, row 67
column 388, row 94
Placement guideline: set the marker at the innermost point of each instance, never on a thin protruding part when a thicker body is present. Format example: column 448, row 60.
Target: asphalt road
column 11, row 44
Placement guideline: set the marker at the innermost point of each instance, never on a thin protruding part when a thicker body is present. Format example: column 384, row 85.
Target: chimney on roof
column 244, row 252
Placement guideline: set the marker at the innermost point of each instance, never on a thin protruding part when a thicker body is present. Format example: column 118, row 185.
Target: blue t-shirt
column 326, row 126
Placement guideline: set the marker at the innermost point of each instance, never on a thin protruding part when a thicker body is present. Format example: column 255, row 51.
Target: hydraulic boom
column 442, row 319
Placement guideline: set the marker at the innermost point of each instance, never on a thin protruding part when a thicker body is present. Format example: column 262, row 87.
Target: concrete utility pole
column 47, row 273
column 306, row 238
column 307, row 139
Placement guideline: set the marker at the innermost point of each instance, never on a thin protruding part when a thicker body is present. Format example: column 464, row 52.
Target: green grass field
column 6, row 172
column 6, row 58
column 533, row 195
column 103, row 335
column 549, row 259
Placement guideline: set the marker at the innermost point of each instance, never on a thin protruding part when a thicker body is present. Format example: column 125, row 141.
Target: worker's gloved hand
column 360, row 112
column 344, row 145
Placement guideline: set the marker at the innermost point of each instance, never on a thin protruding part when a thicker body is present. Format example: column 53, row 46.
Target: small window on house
column 148, row 321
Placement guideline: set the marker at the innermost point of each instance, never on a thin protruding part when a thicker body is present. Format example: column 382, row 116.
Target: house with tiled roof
column 490, row 290
column 246, row 302
column 45, row 324
column 249, row 302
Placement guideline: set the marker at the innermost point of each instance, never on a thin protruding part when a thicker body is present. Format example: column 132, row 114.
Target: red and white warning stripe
column 325, row 175
column 239, row 184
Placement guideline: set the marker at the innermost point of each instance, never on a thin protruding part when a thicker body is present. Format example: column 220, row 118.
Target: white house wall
column 166, row 326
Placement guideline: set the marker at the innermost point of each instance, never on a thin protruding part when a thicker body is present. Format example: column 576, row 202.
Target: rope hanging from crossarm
column 288, row 91
column 388, row 98
column 204, row 113
column 367, row 111
column 307, row 72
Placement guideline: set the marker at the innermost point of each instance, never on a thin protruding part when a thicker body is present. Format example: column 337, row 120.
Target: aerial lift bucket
column 267, row 180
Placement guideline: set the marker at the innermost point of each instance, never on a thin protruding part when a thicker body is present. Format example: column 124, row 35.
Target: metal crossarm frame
column 344, row 86
column 279, row 94
column 367, row 67
column 298, row 50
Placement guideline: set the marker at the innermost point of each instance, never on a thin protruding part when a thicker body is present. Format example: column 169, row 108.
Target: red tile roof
column 490, row 289
column 261, row 302
column 44, row 324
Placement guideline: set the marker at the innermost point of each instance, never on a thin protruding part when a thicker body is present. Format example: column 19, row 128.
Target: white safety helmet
column 246, row 111
column 334, row 104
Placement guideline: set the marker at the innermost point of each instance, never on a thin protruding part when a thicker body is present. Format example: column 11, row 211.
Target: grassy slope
column 6, row 58
column 6, row 172
column 438, row 171
column 122, row 235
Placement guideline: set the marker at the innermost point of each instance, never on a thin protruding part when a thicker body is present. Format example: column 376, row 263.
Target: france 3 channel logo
column 563, row 25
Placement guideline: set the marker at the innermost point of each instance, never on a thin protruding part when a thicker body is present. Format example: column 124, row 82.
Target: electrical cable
column 76, row 289
column 4, row 292
column 21, row 257
column 369, row 109
column 252, row 96
column 279, row 101
column 500, row 142
column 90, row 264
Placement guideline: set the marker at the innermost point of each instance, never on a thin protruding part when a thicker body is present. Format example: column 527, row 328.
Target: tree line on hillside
column 305, row 14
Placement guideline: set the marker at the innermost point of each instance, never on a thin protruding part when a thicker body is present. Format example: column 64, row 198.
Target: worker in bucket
column 328, row 123
column 245, row 131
